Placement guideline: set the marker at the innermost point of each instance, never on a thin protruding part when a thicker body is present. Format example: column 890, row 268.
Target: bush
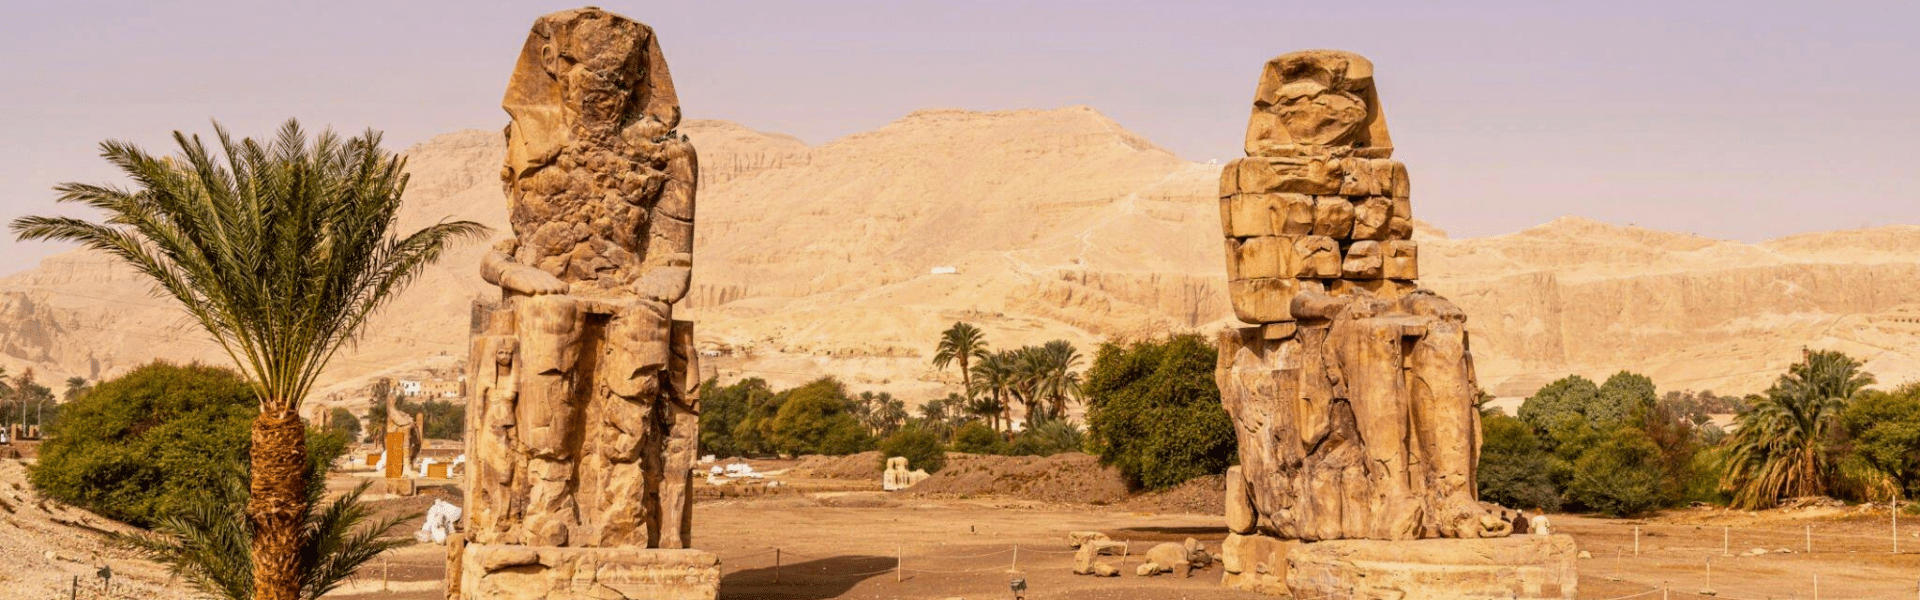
column 817, row 418
column 343, row 421
column 1048, row 438
column 977, row 438
column 730, row 416
column 1621, row 476
column 1882, row 431
column 1154, row 413
column 136, row 448
column 920, row 447
column 1513, row 469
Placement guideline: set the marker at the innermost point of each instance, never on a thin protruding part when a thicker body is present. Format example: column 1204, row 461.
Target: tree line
column 1619, row 448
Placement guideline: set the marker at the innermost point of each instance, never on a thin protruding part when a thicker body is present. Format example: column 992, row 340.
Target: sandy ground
column 840, row 538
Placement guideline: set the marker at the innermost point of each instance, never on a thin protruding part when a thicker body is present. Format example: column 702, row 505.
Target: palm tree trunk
column 274, row 502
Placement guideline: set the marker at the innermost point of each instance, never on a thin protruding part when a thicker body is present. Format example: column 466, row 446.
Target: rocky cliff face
column 1053, row 224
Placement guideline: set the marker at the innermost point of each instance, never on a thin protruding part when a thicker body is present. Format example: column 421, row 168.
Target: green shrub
column 1049, row 438
column 1621, row 476
column 1882, row 430
column 1513, row 469
column 977, row 438
column 1154, row 413
column 137, row 447
column 343, row 421
column 817, row 418
column 920, row 447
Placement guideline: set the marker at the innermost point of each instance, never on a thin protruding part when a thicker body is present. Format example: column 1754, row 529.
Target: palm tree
column 1780, row 447
column 203, row 542
column 995, row 375
column 960, row 343
column 280, row 249
column 1059, row 381
column 75, row 385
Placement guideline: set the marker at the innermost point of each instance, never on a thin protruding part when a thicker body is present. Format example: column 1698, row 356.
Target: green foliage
column 1047, row 439
column 1698, row 406
column 441, row 419
column 817, row 418
column 1616, row 448
column 1154, row 413
column 882, row 413
column 922, row 448
column 1882, row 431
column 1559, row 402
column 136, row 448
column 1621, row 397
column 342, row 420
column 1042, row 378
column 208, row 541
column 1782, row 446
column 728, row 414
column 974, row 437
column 1621, row 476
column 1513, row 468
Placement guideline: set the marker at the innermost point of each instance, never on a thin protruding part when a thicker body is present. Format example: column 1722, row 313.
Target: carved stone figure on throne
column 584, row 417
column 1353, row 393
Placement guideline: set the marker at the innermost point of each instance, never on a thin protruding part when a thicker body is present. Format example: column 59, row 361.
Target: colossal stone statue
column 583, row 420
column 1352, row 394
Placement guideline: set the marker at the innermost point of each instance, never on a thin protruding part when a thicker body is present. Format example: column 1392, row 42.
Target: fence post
column 1726, row 540
column 899, row 562
column 385, row 566
column 1709, row 574
column 1809, row 538
column 1895, row 505
column 1636, row 540
column 1664, row 591
column 1015, row 567
column 1816, row 586
column 776, row 565
column 74, row 593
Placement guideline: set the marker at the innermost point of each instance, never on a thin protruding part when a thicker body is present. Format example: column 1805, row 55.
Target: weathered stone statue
column 583, row 422
column 403, row 438
column 1353, row 392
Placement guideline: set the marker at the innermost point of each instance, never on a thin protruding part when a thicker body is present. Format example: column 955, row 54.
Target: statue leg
column 1443, row 409
column 548, row 415
column 1370, row 358
column 631, row 373
column 682, row 440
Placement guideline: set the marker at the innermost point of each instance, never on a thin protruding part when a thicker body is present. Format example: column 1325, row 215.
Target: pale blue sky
column 1741, row 120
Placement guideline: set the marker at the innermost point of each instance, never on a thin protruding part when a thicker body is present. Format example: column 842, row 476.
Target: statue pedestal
column 508, row 572
column 1518, row 567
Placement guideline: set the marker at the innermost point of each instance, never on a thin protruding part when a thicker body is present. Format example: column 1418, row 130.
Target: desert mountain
column 848, row 258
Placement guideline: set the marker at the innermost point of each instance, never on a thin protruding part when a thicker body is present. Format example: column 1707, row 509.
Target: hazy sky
column 1742, row 120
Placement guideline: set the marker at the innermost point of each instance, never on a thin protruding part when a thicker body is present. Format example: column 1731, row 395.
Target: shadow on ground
column 1152, row 532
column 816, row 579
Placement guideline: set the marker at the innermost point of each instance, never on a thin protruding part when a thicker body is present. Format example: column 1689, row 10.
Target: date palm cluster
column 1042, row 380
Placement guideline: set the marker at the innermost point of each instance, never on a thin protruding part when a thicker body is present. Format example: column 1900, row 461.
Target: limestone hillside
column 1058, row 224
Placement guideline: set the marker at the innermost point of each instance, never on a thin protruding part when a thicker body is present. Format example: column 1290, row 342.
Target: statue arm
column 499, row 268
column 667, row 272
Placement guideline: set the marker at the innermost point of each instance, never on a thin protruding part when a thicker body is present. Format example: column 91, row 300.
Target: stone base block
column 1255, row 563
column 502, row 572
column 1518, row 567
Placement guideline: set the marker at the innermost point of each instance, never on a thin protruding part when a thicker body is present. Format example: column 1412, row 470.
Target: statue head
column 503, row 351
column 584, row 72
column 1317, row 102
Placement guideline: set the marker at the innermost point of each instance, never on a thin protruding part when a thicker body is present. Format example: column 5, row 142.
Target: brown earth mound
column 865, row 465
column 1200, row 496
column 1071, row 477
